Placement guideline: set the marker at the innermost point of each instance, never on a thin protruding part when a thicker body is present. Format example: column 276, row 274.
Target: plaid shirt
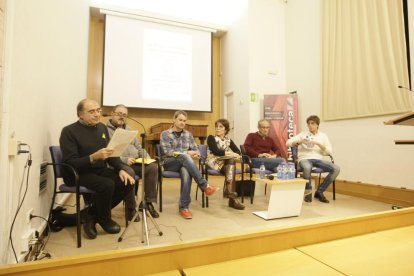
column 170, row 143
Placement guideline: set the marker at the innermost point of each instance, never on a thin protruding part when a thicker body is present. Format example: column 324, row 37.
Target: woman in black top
column 222, row 157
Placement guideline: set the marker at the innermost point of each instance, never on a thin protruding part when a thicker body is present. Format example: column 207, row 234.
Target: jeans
column 270, row 163
column 326, row 166
column 185, row 165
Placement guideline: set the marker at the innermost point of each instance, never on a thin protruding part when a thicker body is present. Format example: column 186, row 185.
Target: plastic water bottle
column 291, row 171
column 262, row 173
column 284, row 171
column 279, row 172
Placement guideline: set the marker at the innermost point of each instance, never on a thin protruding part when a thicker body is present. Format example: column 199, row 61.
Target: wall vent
column 43, row 177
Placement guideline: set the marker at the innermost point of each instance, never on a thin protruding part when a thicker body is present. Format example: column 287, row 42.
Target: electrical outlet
column 24, row 245
column 13, row 147
column 28, row 214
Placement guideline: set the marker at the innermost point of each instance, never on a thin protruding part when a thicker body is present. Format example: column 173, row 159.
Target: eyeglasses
column 120, row 114
column 93, row 111
column 265, row 127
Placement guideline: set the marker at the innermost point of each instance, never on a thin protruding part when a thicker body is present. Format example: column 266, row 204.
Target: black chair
column 247, row 167
column 315, row 170
column 170, row 174
column 57, row 164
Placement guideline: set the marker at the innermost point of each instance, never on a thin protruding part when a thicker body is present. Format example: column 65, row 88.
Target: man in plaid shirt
column 180, row 151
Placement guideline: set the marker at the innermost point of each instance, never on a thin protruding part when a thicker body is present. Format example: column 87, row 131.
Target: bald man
column 84, row 147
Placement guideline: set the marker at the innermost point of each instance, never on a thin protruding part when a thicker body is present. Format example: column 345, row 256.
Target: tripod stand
column 145, row 212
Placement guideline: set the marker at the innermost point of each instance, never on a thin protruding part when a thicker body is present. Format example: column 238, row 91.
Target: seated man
column 134, row 151
column 179, row 150
column 313, row 145
column 83, row 146
column 262, row 149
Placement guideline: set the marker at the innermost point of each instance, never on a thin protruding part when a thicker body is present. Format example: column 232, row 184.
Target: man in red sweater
column 262, row 149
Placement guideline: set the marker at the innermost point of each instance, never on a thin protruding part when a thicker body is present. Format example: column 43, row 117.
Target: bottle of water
column 291, row 171
column 262, row 173
column 279, row 172
column 284, row 171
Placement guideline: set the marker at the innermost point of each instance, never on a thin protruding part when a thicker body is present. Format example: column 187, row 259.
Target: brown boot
column 235, row 203
column 230, row 190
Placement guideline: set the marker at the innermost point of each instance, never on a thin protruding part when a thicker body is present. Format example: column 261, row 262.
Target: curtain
column 363, row 59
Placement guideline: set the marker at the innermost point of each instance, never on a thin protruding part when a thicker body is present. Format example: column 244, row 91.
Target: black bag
column 59, row 220
column 248, row 187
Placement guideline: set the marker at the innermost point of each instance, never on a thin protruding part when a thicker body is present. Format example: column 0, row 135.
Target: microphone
column 138, row 123
column 406, row 88
column 270, row 177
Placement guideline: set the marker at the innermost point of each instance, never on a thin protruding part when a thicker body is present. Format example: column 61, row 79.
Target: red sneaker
column 210, row 190
column 185, row 213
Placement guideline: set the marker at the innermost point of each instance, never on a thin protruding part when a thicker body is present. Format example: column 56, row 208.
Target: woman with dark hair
column 222, row 157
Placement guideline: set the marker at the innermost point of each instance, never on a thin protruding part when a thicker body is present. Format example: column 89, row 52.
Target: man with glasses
column 133, row 151
column 84, row 147
column 262, row 149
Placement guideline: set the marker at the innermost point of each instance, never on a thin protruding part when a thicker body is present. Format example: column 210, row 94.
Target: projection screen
column 155, row 65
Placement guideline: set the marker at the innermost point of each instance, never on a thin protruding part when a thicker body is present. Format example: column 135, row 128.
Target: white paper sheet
column 120, row 140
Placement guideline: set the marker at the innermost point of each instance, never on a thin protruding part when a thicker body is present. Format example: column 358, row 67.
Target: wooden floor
column 382, row 253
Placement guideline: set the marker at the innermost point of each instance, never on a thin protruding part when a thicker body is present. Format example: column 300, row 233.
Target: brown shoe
column 234, row 203
column 210, row 190
column 321, row 197
column 308, row 198
column 185, row 213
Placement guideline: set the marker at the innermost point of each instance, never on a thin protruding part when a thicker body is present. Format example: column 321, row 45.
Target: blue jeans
column 326, row 166
column 270, row 163
column 185, row 165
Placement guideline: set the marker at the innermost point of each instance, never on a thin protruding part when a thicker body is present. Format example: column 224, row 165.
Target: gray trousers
column 151, row 179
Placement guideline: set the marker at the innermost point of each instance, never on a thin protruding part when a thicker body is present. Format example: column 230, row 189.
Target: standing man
column 84, row 147
column 313, row 145
column 133, row 151
column 180, row 150
column 262, row 149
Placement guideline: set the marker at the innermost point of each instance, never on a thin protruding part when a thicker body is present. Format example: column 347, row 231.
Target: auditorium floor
column 217, row 220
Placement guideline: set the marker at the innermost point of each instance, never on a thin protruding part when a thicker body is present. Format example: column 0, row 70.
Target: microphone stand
column 145, row 212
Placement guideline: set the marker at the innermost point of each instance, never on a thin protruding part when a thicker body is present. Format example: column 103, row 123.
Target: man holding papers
column 133, row 151
column 84, row 146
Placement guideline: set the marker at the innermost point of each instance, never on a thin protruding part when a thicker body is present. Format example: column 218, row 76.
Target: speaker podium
column 406, row 119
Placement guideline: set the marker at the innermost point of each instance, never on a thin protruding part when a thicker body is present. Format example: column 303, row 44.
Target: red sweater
column 256, row 144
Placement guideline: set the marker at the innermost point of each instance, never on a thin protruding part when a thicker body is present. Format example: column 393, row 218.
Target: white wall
column 252, row 47
column 267, row 61
column 363, row 148
column 45, row 77
column 235, row 72
column 284, row 36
